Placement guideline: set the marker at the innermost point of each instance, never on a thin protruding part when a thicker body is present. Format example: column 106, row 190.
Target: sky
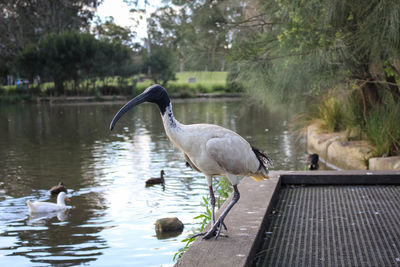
column 120, row 11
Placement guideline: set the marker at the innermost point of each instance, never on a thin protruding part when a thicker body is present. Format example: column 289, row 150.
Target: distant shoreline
column 119, row 98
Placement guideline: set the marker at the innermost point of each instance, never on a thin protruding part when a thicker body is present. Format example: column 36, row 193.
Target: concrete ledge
column 249, row 219
column 245, row 223
column 319, row 142
column 347, row 155
column 388, row 163
column 351, row 155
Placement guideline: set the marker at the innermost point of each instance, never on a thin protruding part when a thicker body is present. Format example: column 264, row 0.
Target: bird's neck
column 60, row 201
column 170, row 123
column 173, row 128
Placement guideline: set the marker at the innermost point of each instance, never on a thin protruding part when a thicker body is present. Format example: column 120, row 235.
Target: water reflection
column 112, row 214
column 42, row 218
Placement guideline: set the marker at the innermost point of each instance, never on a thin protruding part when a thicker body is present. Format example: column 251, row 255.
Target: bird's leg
column 212, row 201
column 216, row 228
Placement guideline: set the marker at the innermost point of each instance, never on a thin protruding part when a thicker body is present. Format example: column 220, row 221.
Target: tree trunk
column 59, row 85
column 371, row 92
column 370, row 97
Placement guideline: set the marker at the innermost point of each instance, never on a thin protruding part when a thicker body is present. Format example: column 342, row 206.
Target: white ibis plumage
column 209, row 149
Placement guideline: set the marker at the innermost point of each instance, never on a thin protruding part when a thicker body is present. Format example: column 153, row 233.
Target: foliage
column 307, row 49
column 330, row 111
column 198, row 32
column 311, row 46
column 223, row 189
column 342, row 111
column 207, row 82
column 24, row 22
column 162, row 65
column 72, row 56
column 383, row 129
column 113, row 32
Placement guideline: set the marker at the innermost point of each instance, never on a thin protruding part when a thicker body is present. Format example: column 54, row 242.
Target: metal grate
column 334, row 226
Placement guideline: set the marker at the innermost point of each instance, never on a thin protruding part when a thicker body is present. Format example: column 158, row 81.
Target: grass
column 205, row 78
column 205, row 82
column 383, row 129
column 330, row 111
column 341, row 111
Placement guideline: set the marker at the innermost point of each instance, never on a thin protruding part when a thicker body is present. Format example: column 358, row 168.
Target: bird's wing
column 43, row 206
column 233, row 154
column 188, row 160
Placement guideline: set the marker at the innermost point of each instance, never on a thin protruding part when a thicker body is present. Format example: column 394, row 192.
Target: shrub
column 353, row 118
column 383, row 129
column 331, row 113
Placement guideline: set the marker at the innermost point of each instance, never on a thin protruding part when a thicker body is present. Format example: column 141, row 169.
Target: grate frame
column 333, row 225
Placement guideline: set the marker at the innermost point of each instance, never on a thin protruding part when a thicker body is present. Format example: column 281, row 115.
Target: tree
column 311, row 46
column 114, row 33
column 162, row 64
column 23, row 22
column 73, row 56
column 198, row 32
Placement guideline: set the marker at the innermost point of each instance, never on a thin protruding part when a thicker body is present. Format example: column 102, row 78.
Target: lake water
column 112, row 214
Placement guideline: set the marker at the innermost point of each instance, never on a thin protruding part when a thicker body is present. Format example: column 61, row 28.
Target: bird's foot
column 223, row 224
column 214, row 231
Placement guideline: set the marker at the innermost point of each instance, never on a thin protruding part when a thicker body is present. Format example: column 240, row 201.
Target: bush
column 353, row 118
column 182, row 90
column 331, row 113
column 73, row 56
column 383, row 129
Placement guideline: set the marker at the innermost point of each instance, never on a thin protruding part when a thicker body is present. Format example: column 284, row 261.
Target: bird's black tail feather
column 263, row 158
column 265, row 161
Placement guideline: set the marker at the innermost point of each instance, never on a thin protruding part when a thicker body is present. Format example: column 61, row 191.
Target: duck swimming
column 55, row 190
column 153, row 181
column 45, row 207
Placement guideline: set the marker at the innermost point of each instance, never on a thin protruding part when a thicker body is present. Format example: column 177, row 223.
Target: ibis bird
column 58, row 188
column 209, row 149
column 156, row 180
column 46, row 207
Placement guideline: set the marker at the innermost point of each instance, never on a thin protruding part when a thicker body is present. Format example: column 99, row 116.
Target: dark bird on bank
column 158, row 180
column 313, row 162
column 58, row 188
column 209, row 149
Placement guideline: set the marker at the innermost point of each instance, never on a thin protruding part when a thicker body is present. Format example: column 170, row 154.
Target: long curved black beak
column 143, row 97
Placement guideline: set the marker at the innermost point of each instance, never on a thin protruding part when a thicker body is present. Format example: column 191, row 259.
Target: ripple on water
column 112, row 214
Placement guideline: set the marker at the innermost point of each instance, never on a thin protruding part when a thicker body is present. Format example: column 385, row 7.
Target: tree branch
column 374, row 81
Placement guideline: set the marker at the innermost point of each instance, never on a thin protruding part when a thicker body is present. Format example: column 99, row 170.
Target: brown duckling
column 159, row 180
column 58, row 188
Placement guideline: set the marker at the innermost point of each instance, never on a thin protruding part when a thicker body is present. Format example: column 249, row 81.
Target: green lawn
column 204, row 82
column 203, row 77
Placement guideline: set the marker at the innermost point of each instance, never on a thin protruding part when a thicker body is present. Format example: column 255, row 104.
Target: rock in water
column 169, row 225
